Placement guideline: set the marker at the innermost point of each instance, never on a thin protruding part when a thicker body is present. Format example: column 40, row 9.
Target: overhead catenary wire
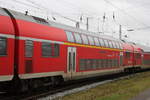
column 51, row 12
column 124, row 12
column 20, row 2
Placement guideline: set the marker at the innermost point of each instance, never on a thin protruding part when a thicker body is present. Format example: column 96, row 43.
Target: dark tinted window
column 56, row 50
column 46, row 49
column 28, row 48
column 3, row 46
column 50, row 49
column 70, row 36
column 82, row 64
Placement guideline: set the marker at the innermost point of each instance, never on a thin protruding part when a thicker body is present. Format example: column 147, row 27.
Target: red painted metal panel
column 6, row 25
column 34, row 30
column 7, row 62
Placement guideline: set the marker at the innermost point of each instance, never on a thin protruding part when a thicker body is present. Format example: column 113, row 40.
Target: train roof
column 144, row 48
column 127, row 47
column 38, row 20
column 22, row 16
column 18, row 15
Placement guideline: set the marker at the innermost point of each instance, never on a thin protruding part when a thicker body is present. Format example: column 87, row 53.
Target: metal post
column 77, row 25
column 98, row 26
column 87, row 24
column 120, row 32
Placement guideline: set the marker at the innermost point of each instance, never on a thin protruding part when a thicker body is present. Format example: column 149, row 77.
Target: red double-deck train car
column 34, row 51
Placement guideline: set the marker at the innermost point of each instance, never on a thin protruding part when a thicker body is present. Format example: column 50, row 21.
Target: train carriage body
column 32, row 48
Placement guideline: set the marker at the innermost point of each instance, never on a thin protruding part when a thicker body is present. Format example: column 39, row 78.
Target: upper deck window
column 106, row 43
column 96, row 41
column 110, row 44
column 78, row 38
column 70, row 36
column 3, row 46
column 85, row 39
column 91, row 40
column 102, row 42
column 117, row 44
column 120, row 46
column 114, row 45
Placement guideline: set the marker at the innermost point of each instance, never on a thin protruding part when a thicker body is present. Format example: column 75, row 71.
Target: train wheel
column 126, row 70
column 24, row 85
column 56, row 80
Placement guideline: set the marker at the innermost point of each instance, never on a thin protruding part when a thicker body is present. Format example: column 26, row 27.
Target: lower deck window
column 127, row 55
column 28, row 48
column 3, row 46
column 91, row 64
column 146, row 61
column 50, row 49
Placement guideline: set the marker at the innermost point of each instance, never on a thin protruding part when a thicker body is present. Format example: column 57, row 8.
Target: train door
column 121, row 58
column 28, row 56
column 133, row 59
column 142, row 59
column 71, row 62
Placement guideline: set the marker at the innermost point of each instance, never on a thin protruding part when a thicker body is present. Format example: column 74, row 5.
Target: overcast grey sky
column 131, row 14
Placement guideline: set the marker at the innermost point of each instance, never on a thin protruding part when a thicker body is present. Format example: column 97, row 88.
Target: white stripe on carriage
column 6, row 77
column 7, row 35
column 29, row 38
column 39, row 40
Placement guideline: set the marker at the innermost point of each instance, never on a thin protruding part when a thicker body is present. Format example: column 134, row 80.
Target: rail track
column 50, row 92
